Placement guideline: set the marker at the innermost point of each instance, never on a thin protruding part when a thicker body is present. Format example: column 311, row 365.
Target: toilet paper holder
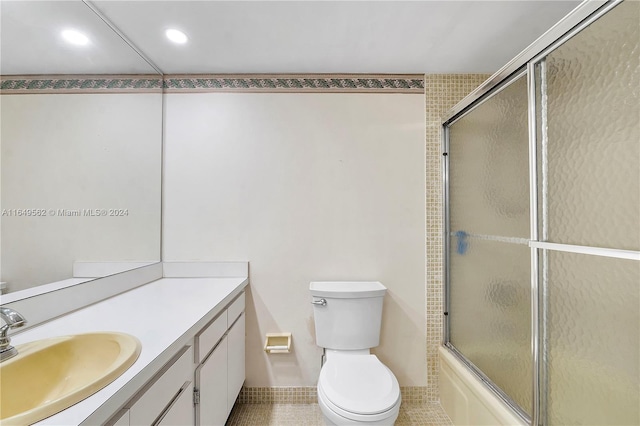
column 278, row 343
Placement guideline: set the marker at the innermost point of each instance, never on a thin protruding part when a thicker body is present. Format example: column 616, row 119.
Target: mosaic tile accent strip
column 310, row 415
column 309, row 395
column 80, row 84
column 295, row 83
column 278, row 395
column 442, row 92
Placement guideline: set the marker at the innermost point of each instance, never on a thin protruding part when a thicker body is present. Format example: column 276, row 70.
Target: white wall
column 305, row 187
column 79, row 151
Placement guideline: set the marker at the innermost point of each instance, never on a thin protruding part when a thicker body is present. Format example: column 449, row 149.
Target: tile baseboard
column 309, row 395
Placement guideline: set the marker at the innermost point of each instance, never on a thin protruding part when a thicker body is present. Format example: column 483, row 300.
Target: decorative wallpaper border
column 204, row 83
column 31, row 84
column 309, row 395
column 332, row 83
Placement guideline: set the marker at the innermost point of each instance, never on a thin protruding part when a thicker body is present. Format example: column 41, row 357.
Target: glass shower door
column 489, row 258
column 589, row 146
column 543, row 289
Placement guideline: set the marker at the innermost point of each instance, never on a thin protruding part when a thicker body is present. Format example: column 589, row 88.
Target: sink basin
column 50, row 375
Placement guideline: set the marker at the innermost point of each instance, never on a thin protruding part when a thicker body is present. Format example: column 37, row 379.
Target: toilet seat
column 339, row 416
column 359, row 387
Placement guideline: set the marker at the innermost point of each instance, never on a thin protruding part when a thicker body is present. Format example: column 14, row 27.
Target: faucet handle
column 12, row 318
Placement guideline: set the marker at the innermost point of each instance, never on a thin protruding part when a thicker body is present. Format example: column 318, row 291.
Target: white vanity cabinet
column 211, row 383
column 220, row 373
column 178, row 318
column 235, row 360
column 167, row 395
column 200, row 383
column 120, row 419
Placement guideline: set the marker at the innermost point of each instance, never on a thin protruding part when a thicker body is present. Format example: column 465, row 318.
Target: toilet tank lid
column 347, row 289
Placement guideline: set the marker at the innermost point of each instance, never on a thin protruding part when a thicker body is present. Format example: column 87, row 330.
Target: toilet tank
column 351, row 317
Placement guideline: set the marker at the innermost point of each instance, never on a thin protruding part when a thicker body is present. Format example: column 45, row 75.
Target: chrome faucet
column 12, row 319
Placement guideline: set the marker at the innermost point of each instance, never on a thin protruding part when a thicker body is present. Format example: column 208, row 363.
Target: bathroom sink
column 50, row 375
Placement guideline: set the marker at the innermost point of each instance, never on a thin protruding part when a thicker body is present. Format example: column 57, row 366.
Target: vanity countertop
column 164, row 315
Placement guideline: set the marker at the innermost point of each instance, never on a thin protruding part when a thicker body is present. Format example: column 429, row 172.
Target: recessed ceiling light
column 75, row 37
column 176, row 36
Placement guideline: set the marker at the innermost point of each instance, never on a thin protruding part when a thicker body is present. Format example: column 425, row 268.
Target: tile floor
column 309, row 415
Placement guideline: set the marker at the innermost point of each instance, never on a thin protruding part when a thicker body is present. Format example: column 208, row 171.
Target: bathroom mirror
column 80, row 147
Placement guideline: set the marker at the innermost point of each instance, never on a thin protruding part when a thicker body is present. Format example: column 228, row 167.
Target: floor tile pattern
column 310, row 415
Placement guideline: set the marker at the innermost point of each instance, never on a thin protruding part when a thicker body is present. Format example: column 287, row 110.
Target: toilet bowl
column 354, row 386
column 357, row 389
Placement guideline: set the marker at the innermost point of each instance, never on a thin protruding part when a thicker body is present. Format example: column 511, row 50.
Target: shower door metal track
column 579, row 18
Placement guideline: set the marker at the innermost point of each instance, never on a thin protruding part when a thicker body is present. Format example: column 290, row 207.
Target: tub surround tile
column 442, row 92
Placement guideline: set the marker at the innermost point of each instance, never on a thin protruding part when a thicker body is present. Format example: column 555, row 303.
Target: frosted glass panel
column 490, row 312
column 489, row 169
column 593, row 329
column 594, row 134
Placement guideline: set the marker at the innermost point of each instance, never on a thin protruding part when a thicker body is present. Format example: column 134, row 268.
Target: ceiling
column 30, row 41
column 285, row 36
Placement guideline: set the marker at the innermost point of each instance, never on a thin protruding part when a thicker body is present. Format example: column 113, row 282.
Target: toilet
column 354, row 387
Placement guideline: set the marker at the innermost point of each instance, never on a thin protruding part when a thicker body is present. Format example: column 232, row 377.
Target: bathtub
column 466, row 400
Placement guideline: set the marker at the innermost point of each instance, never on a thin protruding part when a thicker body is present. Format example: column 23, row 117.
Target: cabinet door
column 120, row 419
column 181, row 411
column 160, row 393
column 212, row 383
column 235, row 356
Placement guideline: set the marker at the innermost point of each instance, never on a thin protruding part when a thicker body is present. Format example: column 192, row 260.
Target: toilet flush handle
column 321, row 302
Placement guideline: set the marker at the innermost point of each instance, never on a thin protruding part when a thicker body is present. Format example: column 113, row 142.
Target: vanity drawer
column 235, row 309
column 162, row 389
column 210, row 335
column 181, row 410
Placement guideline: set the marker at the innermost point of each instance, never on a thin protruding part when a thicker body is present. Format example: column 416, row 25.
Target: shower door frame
column 525, row 63
column 487, row 95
